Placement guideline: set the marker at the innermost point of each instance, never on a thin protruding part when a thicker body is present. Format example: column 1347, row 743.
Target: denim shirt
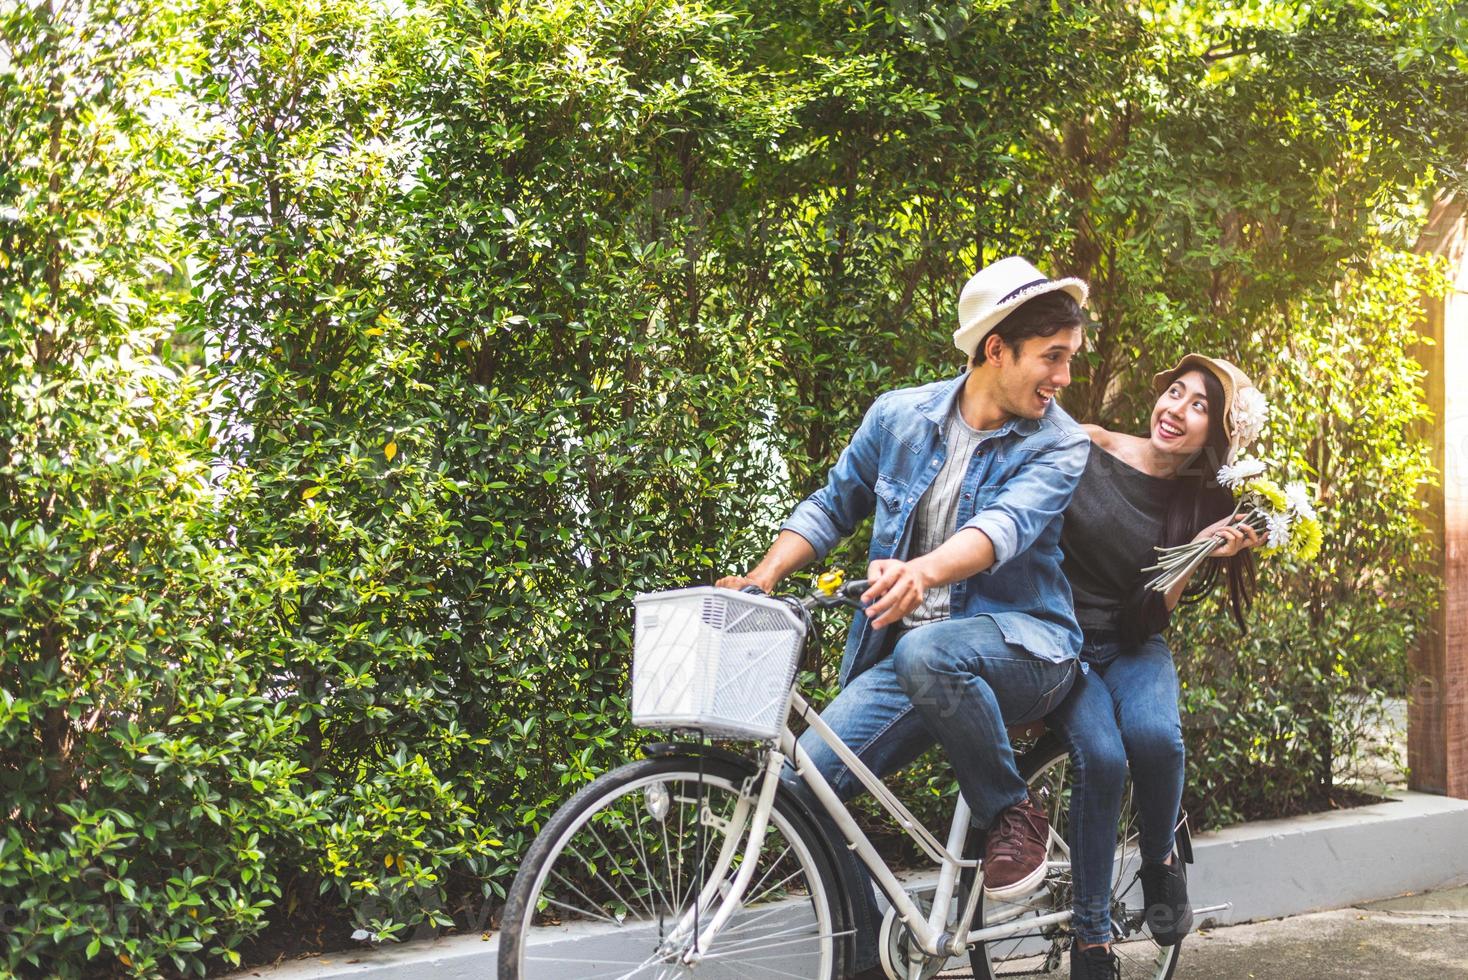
column 1017, row 487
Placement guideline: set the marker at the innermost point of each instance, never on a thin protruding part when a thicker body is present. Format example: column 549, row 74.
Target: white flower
column 1235, row 474
column 1299, row 497
column 1278, row 526
column 1249, row 413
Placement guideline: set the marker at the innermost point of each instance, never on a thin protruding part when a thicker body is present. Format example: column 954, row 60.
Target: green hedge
column 357, row 369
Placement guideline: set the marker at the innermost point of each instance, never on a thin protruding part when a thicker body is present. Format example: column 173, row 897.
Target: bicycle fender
column 664, row 750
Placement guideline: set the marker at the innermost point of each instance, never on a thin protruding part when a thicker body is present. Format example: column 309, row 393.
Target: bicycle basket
column 714, row 659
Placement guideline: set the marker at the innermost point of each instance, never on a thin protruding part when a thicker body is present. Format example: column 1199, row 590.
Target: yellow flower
column 1306, row 540
column 1269, row 490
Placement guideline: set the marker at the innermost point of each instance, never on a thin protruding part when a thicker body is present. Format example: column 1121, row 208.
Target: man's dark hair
column 1044, row 316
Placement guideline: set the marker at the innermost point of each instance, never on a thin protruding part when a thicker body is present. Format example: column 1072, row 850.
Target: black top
column 1111, row 527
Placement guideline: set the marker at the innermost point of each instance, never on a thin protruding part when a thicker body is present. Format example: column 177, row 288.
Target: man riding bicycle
column 969, row 624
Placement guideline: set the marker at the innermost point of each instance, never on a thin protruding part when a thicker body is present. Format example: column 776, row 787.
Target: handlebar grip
column 853, row 590
column 752, row 589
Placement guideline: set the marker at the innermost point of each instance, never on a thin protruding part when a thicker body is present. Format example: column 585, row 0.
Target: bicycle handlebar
column 846, row 594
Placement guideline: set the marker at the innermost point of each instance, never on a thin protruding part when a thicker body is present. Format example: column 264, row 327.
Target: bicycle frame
column 928, row 932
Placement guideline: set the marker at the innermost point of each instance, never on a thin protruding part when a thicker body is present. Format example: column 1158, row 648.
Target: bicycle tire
column 802, row 932
column 1044, row 952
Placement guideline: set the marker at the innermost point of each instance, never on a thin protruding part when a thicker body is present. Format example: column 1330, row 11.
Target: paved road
column 1421, row 937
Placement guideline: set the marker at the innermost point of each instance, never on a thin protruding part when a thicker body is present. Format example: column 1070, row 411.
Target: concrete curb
column 1263, row 870
column 1273, row 868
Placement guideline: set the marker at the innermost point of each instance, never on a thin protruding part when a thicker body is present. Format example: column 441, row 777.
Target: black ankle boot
column 1165, row 894
column 1095, row 963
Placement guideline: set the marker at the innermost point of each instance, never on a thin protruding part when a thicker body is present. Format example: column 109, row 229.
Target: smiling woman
column 1122, row 716
column 1180, row 421
column 1191, row 434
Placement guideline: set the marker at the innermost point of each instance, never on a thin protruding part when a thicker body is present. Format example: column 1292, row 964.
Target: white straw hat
column 996, row 290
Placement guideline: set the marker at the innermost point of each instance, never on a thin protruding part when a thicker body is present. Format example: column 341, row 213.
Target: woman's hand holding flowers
column 1234, row 532
column 1279, row 518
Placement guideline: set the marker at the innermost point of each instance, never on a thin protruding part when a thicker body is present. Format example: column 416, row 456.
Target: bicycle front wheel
column 611, row 886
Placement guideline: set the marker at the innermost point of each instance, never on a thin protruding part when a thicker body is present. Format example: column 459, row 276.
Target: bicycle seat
column 1029, row 730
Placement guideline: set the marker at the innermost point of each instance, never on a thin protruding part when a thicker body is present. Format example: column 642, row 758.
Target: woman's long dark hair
column 1198, row 500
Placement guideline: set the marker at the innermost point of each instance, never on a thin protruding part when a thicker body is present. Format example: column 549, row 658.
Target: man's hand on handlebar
column 738, row 582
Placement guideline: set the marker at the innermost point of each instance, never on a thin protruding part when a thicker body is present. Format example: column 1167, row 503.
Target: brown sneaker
column 1014, row 858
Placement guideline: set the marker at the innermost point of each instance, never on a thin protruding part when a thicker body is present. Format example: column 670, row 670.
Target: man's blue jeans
column 1123, row 711
column 958, row 680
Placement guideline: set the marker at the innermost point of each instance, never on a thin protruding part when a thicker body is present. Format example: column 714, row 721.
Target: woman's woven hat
column 1244, row 406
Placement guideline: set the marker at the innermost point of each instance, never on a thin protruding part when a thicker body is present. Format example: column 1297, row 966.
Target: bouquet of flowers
column 1286, row 514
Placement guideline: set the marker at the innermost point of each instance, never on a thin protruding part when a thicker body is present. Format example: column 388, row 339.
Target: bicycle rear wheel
column 1042, row 951
column 608, row 888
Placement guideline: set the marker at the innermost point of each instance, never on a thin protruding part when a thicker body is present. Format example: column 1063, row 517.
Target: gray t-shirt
column 935, row 518
column 1112, row 524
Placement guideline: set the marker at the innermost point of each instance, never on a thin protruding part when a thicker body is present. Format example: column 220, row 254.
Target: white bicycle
column 698, row 862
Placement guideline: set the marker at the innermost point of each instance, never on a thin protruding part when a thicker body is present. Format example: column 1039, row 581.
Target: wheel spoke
column 599, row 877
column 775, row 886
column 651, row 914
column 598, row 961
column 646, row 866
column 638, row 968
column 600, row 870
column 775, row 863
column 580, row 911
column 745, row 925
column 1124, row 953
column 569, row 884
column 756, row 965
column 1129, row 842
column 757, row 943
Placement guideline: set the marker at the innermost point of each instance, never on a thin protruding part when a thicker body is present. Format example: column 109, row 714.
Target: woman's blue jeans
column 958, row 680
column 1123, row 711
